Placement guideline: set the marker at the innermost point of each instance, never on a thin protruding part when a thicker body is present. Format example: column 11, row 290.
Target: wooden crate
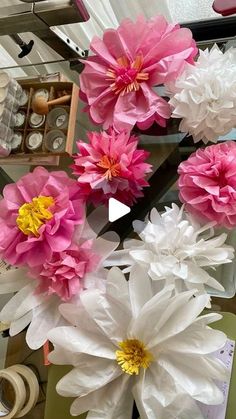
column 44, row 157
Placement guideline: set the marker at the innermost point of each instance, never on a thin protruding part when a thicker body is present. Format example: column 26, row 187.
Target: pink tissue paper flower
column 207, row 183
column 111, row 166
column 117, row 81
column 64, row 273
column 38, row 215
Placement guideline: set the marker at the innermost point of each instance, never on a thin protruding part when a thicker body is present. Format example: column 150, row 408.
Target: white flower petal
column 111, row 315
column 204, row 95
column 60, row 356
column 8, row 312
column 183, row 407
column 113, row 401
column 97, row 219
column 179, row 405
column 45, row 318
column 118, row 258
column 20, row 324
column 208, row 318
column 139, row 289
column 191, row 375
column 174, row 246
column 116, row 284
column 13, row 280
column 129, row 243
column 149, row 314
column 77, row 316
column 159, row 384
column 197, row 340
column 156, row 312
column 142, row 256
column 92, row 375
column 180, row 318
column 95, row 280
column 79, row 340
column 106, row 244
column 31, row 301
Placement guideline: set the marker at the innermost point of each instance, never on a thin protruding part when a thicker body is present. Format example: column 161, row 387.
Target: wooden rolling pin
column 41, row 106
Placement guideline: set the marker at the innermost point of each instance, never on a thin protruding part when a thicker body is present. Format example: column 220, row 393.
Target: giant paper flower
column 111, row 166
column 175, row 249
column 59, row 279
column 204, row 96
column 38, row 215
column 128, row 344
column 117, row 82
column 207, row 183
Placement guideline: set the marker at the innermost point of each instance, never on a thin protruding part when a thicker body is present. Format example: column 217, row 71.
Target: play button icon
column 116, row 209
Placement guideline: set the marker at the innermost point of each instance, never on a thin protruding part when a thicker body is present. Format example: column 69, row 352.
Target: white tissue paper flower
column 126, row 344
column 204, row 96
column 175, row 249
column 31, row 306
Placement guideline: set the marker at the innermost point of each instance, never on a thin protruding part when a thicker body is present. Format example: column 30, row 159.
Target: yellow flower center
column 112, row 168
column 133, row 356
column 32, row 215
column 128, row 76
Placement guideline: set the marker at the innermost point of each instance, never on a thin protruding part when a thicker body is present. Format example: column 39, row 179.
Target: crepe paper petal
column 203, row 97
column 175, row 249
column 111, row 166
column 213, row 164
column 118, row 81
column 176, row 352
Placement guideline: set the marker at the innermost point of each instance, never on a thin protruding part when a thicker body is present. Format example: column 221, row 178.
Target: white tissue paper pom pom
column 204, row 96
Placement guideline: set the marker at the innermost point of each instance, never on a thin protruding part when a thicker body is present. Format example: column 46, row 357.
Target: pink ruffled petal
column 207, row 183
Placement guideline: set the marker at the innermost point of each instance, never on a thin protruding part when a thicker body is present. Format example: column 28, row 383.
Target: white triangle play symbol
column 116, row 209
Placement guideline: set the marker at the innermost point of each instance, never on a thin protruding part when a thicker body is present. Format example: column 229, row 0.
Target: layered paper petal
column 117, row 81
column 111, row 166
column 57, row 207
column 174, row 356
column 207, row 184
column 174, row 248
